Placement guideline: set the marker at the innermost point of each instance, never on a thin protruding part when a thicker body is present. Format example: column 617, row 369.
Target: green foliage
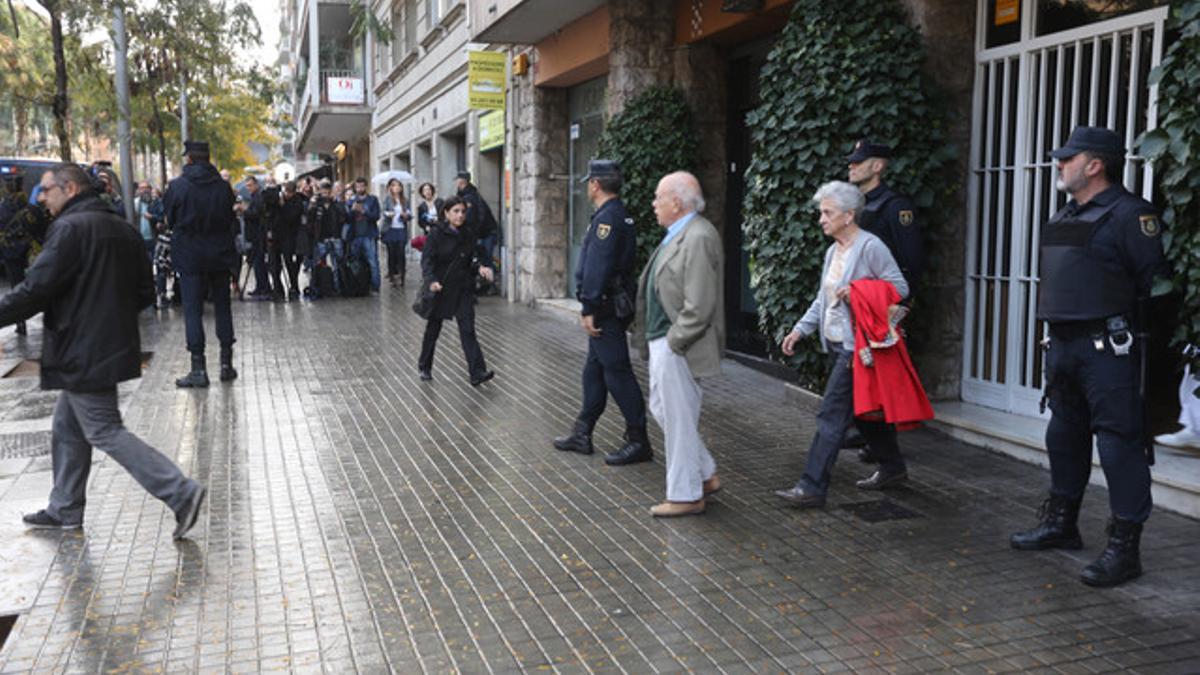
column 651, row 137
column 363, row 21
column 840, row 71
column 1174, row 148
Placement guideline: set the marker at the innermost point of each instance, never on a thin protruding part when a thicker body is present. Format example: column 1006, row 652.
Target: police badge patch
column 1150, row 226
column 906, row 218
column 603, row 230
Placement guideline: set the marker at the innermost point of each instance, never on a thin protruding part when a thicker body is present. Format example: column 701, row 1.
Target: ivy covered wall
column 839, row 72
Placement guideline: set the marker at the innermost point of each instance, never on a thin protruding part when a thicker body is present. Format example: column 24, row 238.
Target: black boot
column 1058, row 528
column 228, row 373
column 1121, row 559
column 579, row 440
column 636, row 449
column 199, row 375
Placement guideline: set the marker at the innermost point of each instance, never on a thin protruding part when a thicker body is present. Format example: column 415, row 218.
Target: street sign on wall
column 344, row 90
column 491, row 130
column 485, row 80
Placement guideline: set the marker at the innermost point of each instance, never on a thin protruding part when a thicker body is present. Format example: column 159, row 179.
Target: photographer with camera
column 253, row 211
column 325, row 218
column 363, row 210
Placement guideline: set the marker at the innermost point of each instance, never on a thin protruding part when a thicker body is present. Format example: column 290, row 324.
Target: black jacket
column 199, row 207
column 288, row 222
column 91, row 280
column 451, row 257
column 479, row 214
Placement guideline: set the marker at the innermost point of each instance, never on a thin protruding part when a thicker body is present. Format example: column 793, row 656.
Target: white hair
column 686, row 188
column 845, row 196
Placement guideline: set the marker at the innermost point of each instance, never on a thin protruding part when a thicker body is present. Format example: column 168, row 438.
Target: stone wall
column 701, row 71
column 640, row 38
column 540, row 184
column 948, row 27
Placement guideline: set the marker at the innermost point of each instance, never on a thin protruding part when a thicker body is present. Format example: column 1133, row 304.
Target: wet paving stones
column 359, row 519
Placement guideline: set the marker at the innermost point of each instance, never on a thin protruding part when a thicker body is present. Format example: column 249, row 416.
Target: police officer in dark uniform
column 198, row 205
column 891, row 216
column 605, row 286
column 1099, row 257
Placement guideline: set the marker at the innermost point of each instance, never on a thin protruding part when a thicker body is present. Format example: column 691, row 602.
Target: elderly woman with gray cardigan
column 855, row 254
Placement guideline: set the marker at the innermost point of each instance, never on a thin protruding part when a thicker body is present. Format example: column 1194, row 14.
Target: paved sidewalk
column 361, row 520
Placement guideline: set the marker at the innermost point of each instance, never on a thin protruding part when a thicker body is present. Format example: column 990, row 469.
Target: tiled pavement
column 361, row 520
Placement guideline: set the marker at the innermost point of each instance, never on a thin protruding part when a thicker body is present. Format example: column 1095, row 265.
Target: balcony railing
column 343, row 87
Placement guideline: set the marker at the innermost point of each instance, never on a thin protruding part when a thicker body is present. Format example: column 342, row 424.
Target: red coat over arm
column 886, row 385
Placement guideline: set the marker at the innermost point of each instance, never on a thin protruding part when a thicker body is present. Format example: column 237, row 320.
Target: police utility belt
column 1114, row 332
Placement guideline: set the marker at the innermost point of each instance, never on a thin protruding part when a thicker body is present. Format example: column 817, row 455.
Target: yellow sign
column 1007, row 11
column 485, row 80
column 491, row 130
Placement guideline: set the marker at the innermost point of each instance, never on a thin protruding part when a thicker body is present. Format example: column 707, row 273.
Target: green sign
column 491, row 130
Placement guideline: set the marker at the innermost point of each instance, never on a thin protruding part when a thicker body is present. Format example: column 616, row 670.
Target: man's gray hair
column 845, row 196
column 686, row 187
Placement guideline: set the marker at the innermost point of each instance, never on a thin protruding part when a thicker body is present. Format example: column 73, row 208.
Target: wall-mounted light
column 339, row 151
column 520, row 64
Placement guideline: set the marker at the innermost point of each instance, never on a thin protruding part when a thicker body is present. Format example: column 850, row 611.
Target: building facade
column 332, row 88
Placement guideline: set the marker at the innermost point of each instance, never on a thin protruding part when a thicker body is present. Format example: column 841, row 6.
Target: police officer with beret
column 890, row 216
column 1099, row 256
column 605, row 287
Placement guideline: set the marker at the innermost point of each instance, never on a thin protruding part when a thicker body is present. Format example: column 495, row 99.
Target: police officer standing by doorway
column 1099, row 256
column 890, row 216
column 605, row 287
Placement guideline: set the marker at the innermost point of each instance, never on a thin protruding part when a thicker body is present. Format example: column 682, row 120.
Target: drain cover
column 28, row 444
column 880, row 511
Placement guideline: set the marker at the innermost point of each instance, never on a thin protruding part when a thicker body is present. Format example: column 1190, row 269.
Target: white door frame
column 1012, row 176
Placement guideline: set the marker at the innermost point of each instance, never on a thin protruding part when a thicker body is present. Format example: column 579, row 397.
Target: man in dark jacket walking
column 91, row 280
column 199, row 208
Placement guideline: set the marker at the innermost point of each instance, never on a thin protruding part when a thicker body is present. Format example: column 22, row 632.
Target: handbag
column 423, row 302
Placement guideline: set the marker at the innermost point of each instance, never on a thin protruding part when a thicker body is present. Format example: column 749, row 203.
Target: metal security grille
column 1028, row 97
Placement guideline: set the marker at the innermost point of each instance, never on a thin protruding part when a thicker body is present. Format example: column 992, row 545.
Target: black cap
column 1090, row 139
column 602, row 168
column 465, row 175
column 865, row 149
column 195, row 146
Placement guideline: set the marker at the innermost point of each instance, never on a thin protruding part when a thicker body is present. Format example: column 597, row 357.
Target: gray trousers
column 83, row 421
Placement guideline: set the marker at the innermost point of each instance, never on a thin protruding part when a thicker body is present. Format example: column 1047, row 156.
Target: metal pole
column 183, row 111
column 124, row 134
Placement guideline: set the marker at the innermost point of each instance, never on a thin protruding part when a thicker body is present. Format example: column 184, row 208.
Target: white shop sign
column 344, row 89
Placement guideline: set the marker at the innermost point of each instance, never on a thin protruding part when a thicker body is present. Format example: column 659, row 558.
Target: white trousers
column 675, row 405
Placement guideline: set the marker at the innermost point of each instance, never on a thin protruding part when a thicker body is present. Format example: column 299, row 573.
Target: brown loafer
column 712, row 486
column 677, row 509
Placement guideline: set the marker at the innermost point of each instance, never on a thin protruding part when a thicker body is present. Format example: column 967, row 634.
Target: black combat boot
column 228, row 373
column 579, row 440
column 1058, row 528
column 199, row 375
column 1121, row 559
column 636, row 449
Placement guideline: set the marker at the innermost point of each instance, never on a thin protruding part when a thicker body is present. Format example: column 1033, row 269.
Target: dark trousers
column 195, row 287
column 833, row 418
column 607, row 370
column 395, row 255
column 281, row 262
column 1095, row 392
column 258, row 263
column 465, row 317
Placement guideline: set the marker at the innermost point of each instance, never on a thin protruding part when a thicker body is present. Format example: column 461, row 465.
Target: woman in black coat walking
column 450, row 261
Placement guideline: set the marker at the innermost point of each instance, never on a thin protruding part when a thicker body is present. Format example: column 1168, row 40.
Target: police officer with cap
column 199, row 207
column 1099, row 256
column 604, row 284
column 890, row 216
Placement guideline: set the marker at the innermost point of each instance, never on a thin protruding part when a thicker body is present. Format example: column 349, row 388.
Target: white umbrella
column 383, row 178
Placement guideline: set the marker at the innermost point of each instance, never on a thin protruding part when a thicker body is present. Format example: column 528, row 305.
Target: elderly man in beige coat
column 679, row 327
